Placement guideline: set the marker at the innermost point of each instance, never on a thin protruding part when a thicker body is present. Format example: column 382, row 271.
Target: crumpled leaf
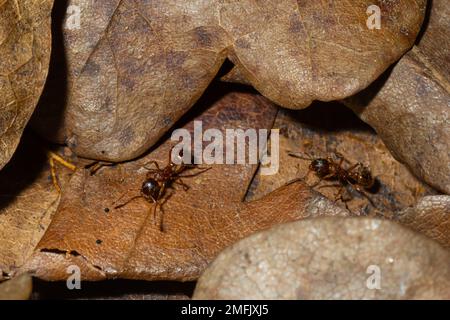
column 18, row 288
column 28, row 200
column 330, row 258
column 410, row 110
column 25, row 44
column 431, row 216
column 327, row 128
column 292, row 51
column 199, row 223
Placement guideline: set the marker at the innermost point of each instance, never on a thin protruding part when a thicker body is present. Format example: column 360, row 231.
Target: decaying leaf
column 330, row 258
column 134, row 68
column 325, row 129
column 25, row 44
column 127, row 242
column 410, row 110
column 431, row 216
column 18, row 288
column 28, row 200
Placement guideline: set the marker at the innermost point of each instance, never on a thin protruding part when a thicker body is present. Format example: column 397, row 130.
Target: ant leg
column 53, row 158
column 329, row 186
column 127, row 202
column 156, row 201
column 181, row 183
column 340, row 156
column 161, row 204
column 353, row 167
column 155, row 206
column 301, row 155
column 54, row 177
column 339, row 196
column 202, row 170
column 328, row 176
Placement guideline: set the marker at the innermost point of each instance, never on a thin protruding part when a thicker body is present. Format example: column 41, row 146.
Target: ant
column 158, row 180
column 53, row 159
column 358, row 176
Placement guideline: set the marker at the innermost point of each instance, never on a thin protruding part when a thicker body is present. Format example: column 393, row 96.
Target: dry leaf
column 410, row 110
column 134, row 68
column 28, row 200
column 127, row 243
column 330, row 258
column 25, row 43
column 431, row 216
column 325, row 129
column 18, row 288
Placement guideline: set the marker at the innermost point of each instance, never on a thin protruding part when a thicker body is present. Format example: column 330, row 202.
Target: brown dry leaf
column 330, row 258
column 431, row 216
column 410, row 109
column 134, row 68
column 28, row 200
column 18, row 288
column 127, row 243
column 327, row 128
column 25, row 44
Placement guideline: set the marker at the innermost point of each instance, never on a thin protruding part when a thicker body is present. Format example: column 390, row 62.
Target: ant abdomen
column 150, row 189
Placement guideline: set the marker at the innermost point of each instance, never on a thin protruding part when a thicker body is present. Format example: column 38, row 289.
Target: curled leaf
column 410, row 107
column 330, row 258
column 431, row 216
column 127, row 243
column 134, row 68
column 28, row 200
column 25, row 44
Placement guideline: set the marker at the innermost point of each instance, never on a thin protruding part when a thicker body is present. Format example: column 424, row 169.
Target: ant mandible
column 158, row 180
column 358, row 175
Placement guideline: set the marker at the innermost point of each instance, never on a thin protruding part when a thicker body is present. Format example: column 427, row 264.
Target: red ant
column 158, row 180
column 358, row 175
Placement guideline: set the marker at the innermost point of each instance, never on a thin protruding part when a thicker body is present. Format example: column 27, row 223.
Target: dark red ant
column 358, row 175
column 158, row 180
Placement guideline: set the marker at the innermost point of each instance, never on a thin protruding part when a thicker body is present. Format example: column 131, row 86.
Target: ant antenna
column 304, row 156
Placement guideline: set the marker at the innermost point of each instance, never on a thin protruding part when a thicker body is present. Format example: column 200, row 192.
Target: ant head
column 150, row 189
column 320, row 166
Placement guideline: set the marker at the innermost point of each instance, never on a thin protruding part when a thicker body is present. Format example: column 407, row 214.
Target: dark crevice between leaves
column 51, row 106
column 426, row 22
column 113, row 289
